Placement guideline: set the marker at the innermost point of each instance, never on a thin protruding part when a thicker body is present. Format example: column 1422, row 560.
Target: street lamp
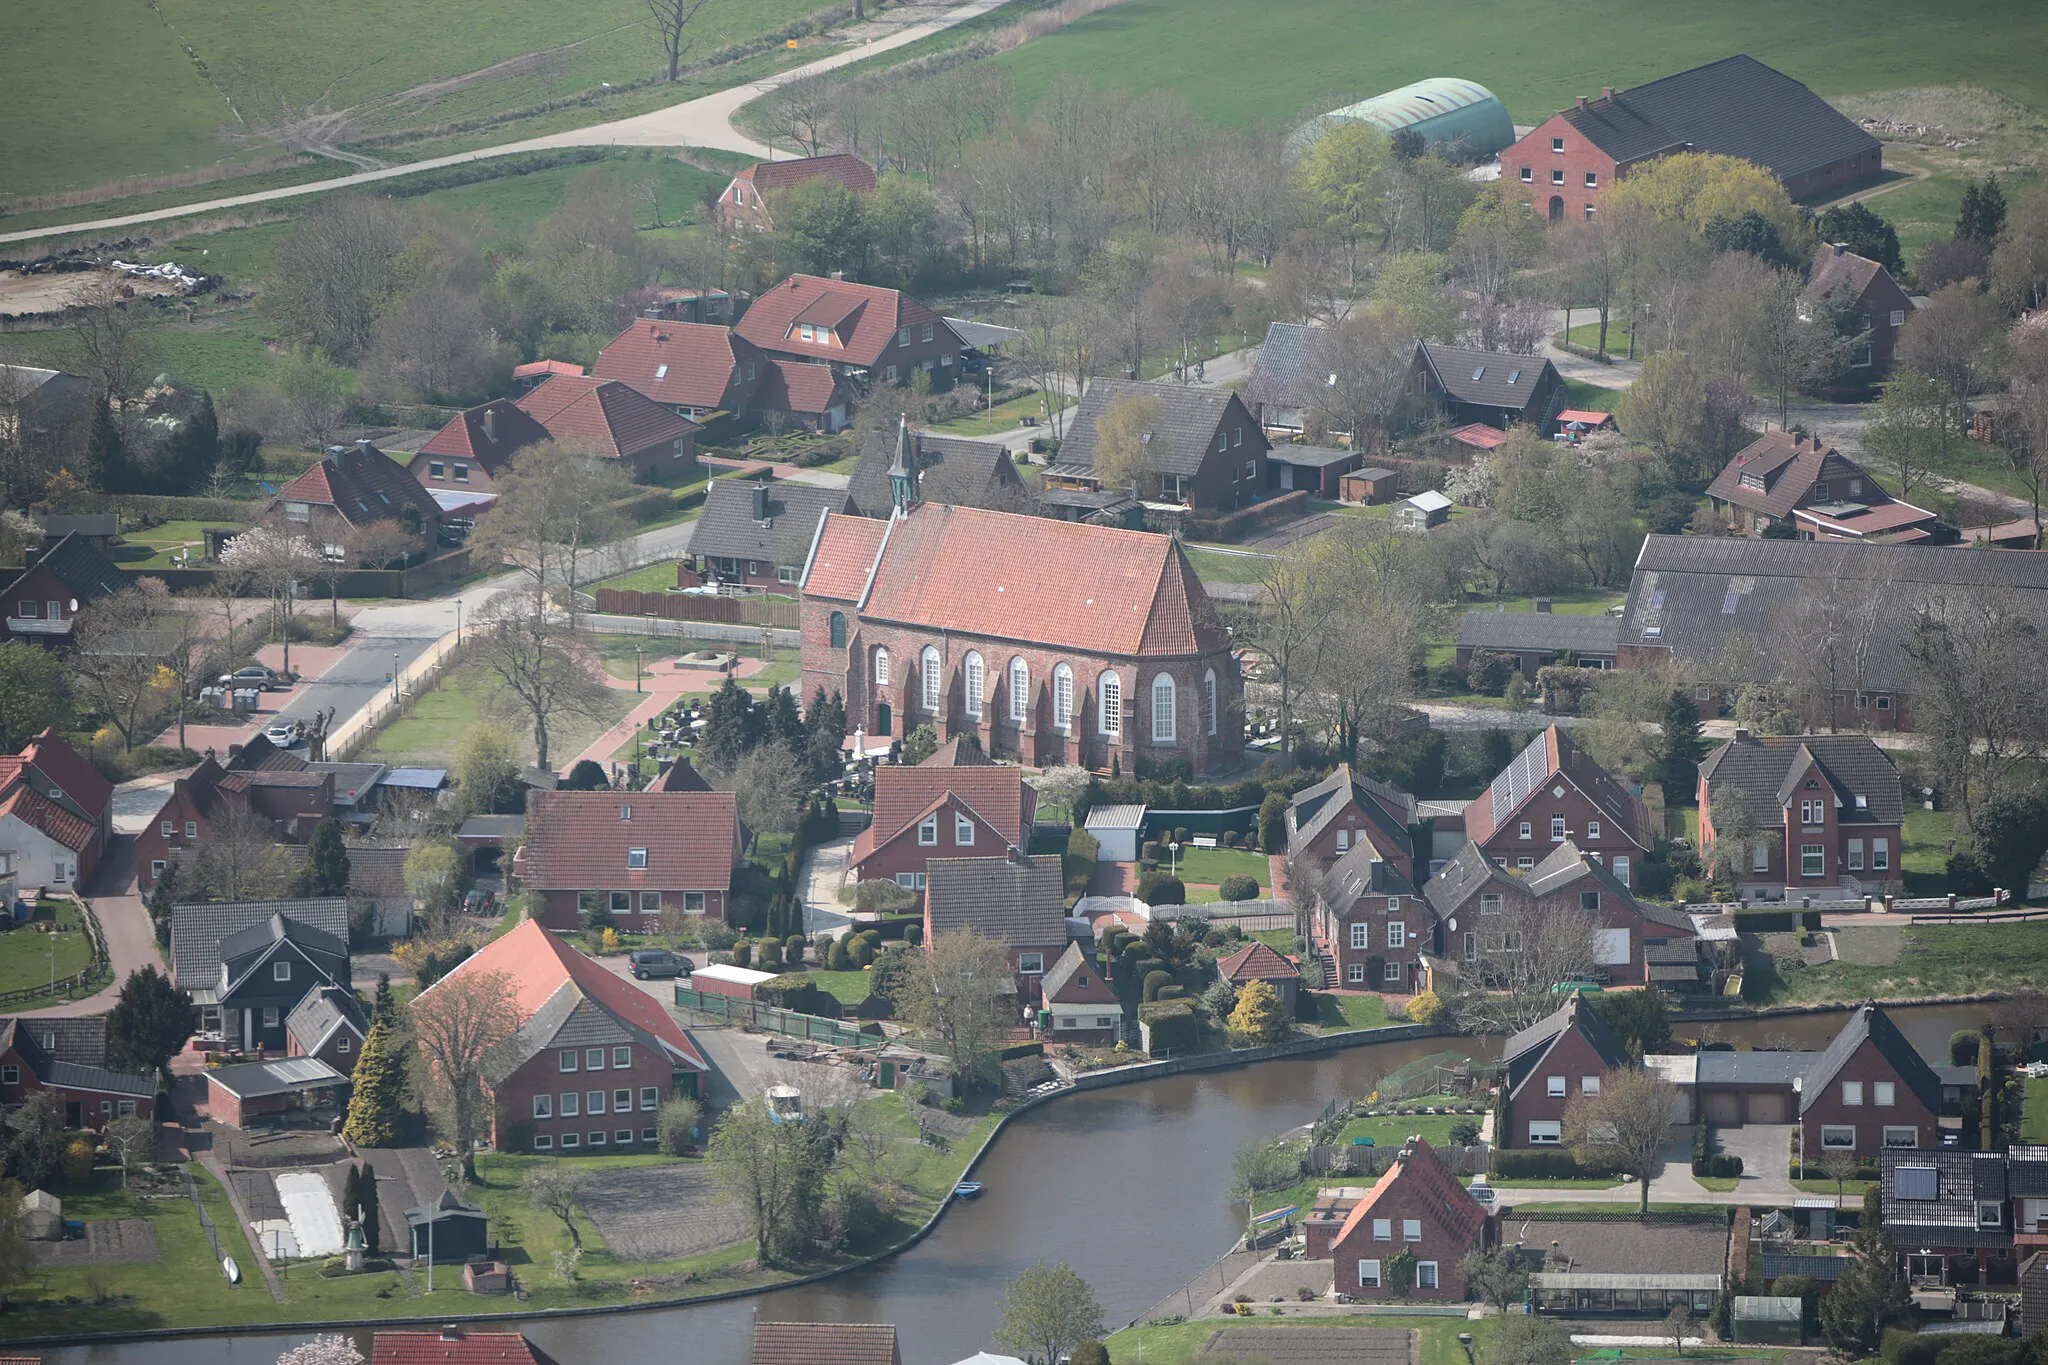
column 639, row 651
column 1172, row 858
column 458, row 620
column 394, row 677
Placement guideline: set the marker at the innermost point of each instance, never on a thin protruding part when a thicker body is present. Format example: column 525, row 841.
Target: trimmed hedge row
column 1541, row 1165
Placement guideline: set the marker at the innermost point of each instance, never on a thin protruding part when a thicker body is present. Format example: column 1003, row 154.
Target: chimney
column 491, row 425
column 1840, row 247
column 760, row 502
column 1607, row 93
column 1542, row 604
column 452, row 1332
column 333, row 455
column 30, row 555
column 1580, row 101
column 839, row 275
column 1742, row 734
column 367, row 446
column 1014, row 855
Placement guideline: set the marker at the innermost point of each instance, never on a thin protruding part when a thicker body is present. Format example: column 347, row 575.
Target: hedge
column 1541, row 1165
column 1777, row 921
column 1171, row 1024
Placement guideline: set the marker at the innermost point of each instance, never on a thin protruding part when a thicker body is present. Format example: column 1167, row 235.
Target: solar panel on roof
column 1918, row 1182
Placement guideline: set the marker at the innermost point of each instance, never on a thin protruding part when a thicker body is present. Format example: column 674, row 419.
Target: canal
column 1127, row 1184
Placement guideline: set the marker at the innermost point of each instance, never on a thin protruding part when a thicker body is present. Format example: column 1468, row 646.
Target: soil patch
column 659, row 1213
column 112, row 1241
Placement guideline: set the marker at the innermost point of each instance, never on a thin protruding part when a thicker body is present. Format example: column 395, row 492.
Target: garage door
column 1723, row 1108
column 1768, row 1107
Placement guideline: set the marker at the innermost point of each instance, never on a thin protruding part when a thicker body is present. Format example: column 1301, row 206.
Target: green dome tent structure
column 1445, row 111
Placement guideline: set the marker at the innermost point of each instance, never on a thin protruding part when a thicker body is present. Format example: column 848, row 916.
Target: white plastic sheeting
column 309, row 1204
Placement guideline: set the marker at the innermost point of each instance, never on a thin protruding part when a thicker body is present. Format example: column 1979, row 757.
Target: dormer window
column 1820, row 492
column 636, row 860
column 280, row 971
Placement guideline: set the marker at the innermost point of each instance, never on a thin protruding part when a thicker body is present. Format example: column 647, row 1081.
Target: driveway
column 124, row 919
column 1766, row 1152
column 824, row 872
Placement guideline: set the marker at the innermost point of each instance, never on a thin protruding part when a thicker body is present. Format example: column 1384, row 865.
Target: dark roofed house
column 1565, row 1055
column 946, row 469
column 1871, row 1091
column 1637, row 942
column 1489, row 387
column 1274, row 387
column 1783, row 479
column 1868, row 290
column 1316, row 470
column 1834, row 803
column 1536, row 639
column 1948, row 1214
column 329, row 1024
column 248, row 964
column 1016, row 899
column 744, row 203
column 57, row 582
column 69, row 1058
column 1554, row 792
column 756, row 531
column 1692, row 596
column 1205, row 450
column 824, row 1343
column 475, row 446
column 348, row 488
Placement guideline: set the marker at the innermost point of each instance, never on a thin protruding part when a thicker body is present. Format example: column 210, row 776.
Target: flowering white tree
column 273, row 561
column 334, row 1350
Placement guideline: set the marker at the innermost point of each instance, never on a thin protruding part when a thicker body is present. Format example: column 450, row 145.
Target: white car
column 283, row 734
column 1483, row 1194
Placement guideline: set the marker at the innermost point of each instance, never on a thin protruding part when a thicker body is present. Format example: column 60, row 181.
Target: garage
column 1722, row 1108
column 1769, row 1106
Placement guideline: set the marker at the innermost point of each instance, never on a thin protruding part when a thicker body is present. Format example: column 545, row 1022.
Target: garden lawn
column 1938, row 959
column 431, row 730
column 1923, row 861
column 1349, row 1009
column 2034, row 1116
column 1587, row 334
column 156, row 547
column 848, row 988
column 1591, row 397
column 1212, row 865
column 648, row 578
column 1390, row 1130
column 1001, row 417
column 25, row 954
column 1576, row 602
column 1177, row 1343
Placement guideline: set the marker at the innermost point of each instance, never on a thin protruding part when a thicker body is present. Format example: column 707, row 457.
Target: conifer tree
column 376, row 1112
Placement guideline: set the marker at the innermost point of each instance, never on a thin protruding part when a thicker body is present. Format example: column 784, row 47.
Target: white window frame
column 1884, row 1094
column 1354, row 975
column 1545, row 1132
column 1383, row 1229
column 1411, row 1229
column 1062, row 697
column 1165, row 717
column 1881, row 849
column 1592, row 829
column 1557, row 829
column 963, row 831
column 280, row 971
column 1855, row 859
column 1527, row 830
column 1361, row 937
column 543, row 1106
column 974, row 673
column 1031, row 964
column 1109, row 693
column 1832, row 1137
column 544, row 1142
column 593, row 1103
column 650, row 1099
column 636, row 860
column 1209, row 702
column 1428, row 1274
column 928, row 832
column 571, row 1106
column 928, row 683
column 1554, row 1087
column 881, row 666
column 1397, row 934
column 1760, row 857
column 1390, row 971
column 1813, row 860
column 571, row 1141
column 1020, row 690
column 1589, row 1085
column 565, row 1060
column 622, row 1058
column 1369, row 1273
column 1893, row 1130
column 593, row 1059
column 1852, row 1094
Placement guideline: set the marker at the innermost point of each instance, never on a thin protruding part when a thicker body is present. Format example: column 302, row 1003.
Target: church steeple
column 903, row 472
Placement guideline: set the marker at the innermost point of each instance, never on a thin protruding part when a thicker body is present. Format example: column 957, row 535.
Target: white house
column 40, row 844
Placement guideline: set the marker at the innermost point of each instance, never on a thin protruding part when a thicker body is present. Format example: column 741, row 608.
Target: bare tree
column 458, row 1022
column 109, row 343
column 1738, row 833
column 957, row 992
column 1625, row 1127
column 115, row 662
column 1293, row 606
column 670, row 24
column 557, row 1190
column 1949, row 340
column 239, row 859
column 801, row 110
column 273, row 560
column 1528, row 948
column 534, row 663
column 1973, row 651
column 1360, row 379
column 336, row 270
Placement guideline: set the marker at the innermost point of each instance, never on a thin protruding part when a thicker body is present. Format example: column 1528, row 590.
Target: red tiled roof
column 686, row 364
column 65, row 766
column 1595, row 420
column 1479, row 435
column 363, row 485
column 824, row 1343
column 603, row 416
column 488, row 434
column 843, row 556
column 998, row 795
column 539, row 964
column 535, row 367
column 579, row 840
column 800, row 386
column 34, row 809
column 847, row 170
column 984, row 573
column 881, row 311
column 464, row 1348
column 1256, row 962
column 1445, row 1200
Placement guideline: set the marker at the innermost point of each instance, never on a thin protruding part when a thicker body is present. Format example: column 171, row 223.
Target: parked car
column 283, row 733
column 659, row 962
column 256, row 675
column 1483, row 1194
column 479, row 901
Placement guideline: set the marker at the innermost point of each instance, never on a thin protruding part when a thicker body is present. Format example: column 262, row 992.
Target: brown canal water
column 1126, row 1184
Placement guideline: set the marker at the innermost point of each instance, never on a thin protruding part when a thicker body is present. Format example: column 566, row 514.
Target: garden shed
column 448, row 1230
column 1769, row 1320
column 722, row 978
column 1115, row 831
column 44, row 1213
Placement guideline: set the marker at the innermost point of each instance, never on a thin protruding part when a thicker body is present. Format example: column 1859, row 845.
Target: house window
column 270, row 1016
column 928, row 679
column 593, row 1102
column 1884, row 1094
column 785, row 573
column 1490, row 902
column 1813, row 860
column 1062, row 697
column 1760, row 857
column 1527, row 830
column 903, row 336
column 693, row 902
column 571, row 1140
column 963, row 832
column 1031, row 964
column 1390, row 971
column 971, row 669
column 1591, row 210
column 1557, row 144
column 1425, row 1274
column 1589, row 1085
column 1990, row 1215
column 649, row 1134
column 636, row 860
column 597, row 1138
column 1524, row 864
column 1901, row 1136
column 1361, row 937
column 1411, row 1229
column 928, row 832
column 280, row 971
column 1355, row 974
column 593, row 1059
column 1852, row 1092
column 621, row 902
column 1589, row 900
column 622, row 1103
column 1898, row 317
column 1881, row 849
column 1553, row 1086
column 650, row 1099
column 881, row 666
column 1383, row 1229
column 1557, row 175
column 1838, row 1137
column 544, row 1143
column 341, row 1044
column 1369, row 1274
column 169, row 829
column 191, row 829
column 566, row 1059
column 1592, row 179
column 1855, row 855
column 1810, row 813
column 10, row 1075
column 156, row 868
column 1209, row 702
column 1020, row 691
column 1556, row 828
column 543, row 1106
column 572, row 1104
column 622, row 1057
column 436, row 470
column 1528, row 175
column 838, row 628
column 1164, row 727
column 1397, row 935
column 927, row 331
column 1343, row 840
column 650, row 902
column 623, row 1137
column 1545, row 1132
column 910, row 881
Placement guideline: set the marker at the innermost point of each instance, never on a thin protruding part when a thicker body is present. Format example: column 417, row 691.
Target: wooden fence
column 676, row 606
column 77, row 981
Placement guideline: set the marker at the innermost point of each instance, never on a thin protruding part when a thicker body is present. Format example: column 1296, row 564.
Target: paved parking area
column 659, row 1213
column 1765, row 1149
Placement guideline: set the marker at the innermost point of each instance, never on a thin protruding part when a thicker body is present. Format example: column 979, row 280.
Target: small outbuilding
column 1257, row 962
column 1462, row 116
column 1317, row 470
column 236, row 1095
column 1373, row 484
column 44, row 1213
column 1422, row 511
column 448, row 1231
column 1115, row 830
column 722, row 978
column 1768, row 1320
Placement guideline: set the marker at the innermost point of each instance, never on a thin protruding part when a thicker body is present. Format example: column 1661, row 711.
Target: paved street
column 131, row 941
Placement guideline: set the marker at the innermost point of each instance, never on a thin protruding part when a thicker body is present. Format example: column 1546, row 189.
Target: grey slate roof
column 198, row 931
column 567, row 1019
column 1826, row 1269
column 1736, row 106
column 1527, row 1049
column 1311, row 457
column 1529, row 631
column 2026, row 1171
column 314, row 1019
column 1065, row 968
column 1962, row 1180
column 1186, row 429
column 1488, row 378
column 951, row 469
column 1751, row 1068
column 378, row 873
column 727, row 526
column 1874, row 1025
column 72, row 1063
column 1022, row 903
column 1565, row 865
column 1465, row 876
column 1692, row 593
column 1314, row 806
column 1361, row 871
column 83, row 1041
column 80, row 565
column 1284, row 358
column 1758, row 768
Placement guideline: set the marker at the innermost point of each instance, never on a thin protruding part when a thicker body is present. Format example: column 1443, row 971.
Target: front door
column 73, row 1117
column 884, row 719
column 1286, row 477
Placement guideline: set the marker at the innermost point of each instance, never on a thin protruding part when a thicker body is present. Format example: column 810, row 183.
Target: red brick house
column 69, row 1058
column 948, row 615
column 55, row 584
column 693, row 367
column 1554, row 1061
column 633, row 855
column 329, row 1024
column 603, row 417
column 1327, row 819
column 1081, row 1006
column 854, row 328
column 471, row 451
column 1869, row 1092
column 1372, row 922
column 594, row 1056
column 54, row 807
column 1736, row 107
column 1015, row 898
column 1206, row 450
column 744, row 204
column 1471, row 896
column 1873, row 295
column 293, row 800
column 454, row 1345
column 824, row 1343
column 924, row 813
column 1637, row 943
column 1554, row 792
column 347, row 489
column 814, row 396
column 1782, row 478
column 1416, row 1206
column 1257, row 962
column 1831, row 805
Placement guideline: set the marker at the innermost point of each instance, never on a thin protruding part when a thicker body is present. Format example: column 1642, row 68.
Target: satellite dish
column 74, row 604
column 1451, row 924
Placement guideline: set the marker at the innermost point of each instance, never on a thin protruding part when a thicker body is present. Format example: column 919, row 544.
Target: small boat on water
column 230, row 1269
column 968, row 1189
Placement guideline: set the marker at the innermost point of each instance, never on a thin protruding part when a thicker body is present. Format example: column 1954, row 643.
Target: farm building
column 1445, row 111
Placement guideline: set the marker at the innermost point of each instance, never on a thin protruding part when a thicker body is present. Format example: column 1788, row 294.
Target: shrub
column 1536, row 1165
column 1464, row 1133
column 1220, row 999
column 768, row 955
column 1239, row 888
column 863, row 952
column 1151, row 852
column 1156, row 888
column 913, row 934
column 835, row 957
column 1962, row 1047
column 1180, row 835
column 1171, row 1023
column 76, row 1163
column 1425, row 1008
column 1231, row 838
column 798, row 993
column 673, row 1124
column 1487, row 672
column 1156, row 981
column 742, row 953
column 793, row 949
column 1273, row 823
column 718, row 936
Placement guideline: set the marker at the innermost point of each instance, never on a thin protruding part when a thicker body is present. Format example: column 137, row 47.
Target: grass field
column 848, row 988
column 1934, row 959
column 1347, row 1010
column 1591, row 397
column 1212, row 865
column 2034, row 1117
column 647, row 578
column 25, row 955
column 1213, row 567
column 431, row 731
column 105, row 90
